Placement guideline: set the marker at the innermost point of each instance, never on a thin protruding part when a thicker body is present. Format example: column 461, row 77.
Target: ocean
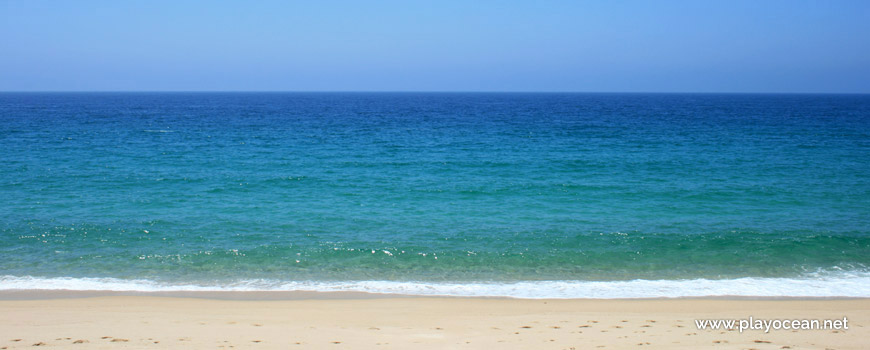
column 529, row 195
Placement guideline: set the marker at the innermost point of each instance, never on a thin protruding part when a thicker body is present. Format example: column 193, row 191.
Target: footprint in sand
column 80, row 341
column 119, row 340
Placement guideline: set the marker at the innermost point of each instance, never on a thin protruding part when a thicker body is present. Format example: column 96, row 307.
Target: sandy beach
column 123, row 322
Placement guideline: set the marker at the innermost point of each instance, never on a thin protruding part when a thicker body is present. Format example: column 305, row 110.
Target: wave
column 845, row 285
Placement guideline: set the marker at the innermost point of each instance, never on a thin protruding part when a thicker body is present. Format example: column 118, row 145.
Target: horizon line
column 446, row 92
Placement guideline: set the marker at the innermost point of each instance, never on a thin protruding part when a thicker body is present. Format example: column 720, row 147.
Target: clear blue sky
column 446, row 45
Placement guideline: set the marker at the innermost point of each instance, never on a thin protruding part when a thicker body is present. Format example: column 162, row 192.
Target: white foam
column 854, row 285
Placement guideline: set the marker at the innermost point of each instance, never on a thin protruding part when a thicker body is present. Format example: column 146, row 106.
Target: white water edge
column 856, row 285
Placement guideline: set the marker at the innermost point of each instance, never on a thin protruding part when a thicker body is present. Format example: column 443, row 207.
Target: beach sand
column 125, row 322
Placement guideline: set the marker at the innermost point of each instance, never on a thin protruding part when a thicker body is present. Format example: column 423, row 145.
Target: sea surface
column 484, row 194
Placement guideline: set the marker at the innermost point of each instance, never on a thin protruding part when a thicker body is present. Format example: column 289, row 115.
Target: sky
column 444, row 45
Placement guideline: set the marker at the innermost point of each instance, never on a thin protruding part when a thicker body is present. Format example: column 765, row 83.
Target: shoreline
column 419, row 322
column 51, row 294
column 844, row 285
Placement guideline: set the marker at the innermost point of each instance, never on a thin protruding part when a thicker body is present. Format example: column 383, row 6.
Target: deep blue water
column 214, row 188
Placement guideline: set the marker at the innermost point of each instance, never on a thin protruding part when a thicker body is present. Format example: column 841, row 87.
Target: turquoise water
column 266, row 189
